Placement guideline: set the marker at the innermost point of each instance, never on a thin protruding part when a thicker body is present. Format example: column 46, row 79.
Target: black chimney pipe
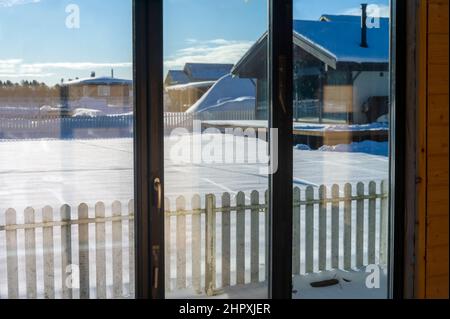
column 364, row 26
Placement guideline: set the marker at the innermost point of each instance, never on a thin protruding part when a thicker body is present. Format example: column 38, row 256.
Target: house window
column 104, row 91
column 86, row 91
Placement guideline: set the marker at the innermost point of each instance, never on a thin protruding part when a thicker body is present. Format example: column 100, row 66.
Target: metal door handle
column 158, row 189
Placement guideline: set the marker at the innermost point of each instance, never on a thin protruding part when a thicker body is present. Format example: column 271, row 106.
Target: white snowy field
column 55, row 172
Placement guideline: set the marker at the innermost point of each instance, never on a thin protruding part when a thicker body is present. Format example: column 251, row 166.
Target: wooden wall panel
column 433, row 267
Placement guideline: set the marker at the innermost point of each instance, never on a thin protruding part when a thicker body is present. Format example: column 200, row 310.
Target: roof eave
column 313, row 49
column 253, row 49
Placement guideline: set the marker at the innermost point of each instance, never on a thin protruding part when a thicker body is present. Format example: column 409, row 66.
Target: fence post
column 66, row 252
column 167, row 245
column 372, row 222
column 49, row 262
column 181, row 242
column 240, row 238
column 196, row 244
column 309, row 230
column 254, row 244
column 322, row 228
column 335, row 227
column 348, row 226
column 296, row 234
column 83, row 251
column 210, row 260
column 117, row 249
column 384, row 222
column 226, row 238
column 30, row 255
column 11, row 256
column 266, row 235
column 100, row 254
column 360, row 226
column 131, row 239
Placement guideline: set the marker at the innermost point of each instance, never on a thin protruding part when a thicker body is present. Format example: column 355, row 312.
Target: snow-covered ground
column 56, row 172
column 352, row 285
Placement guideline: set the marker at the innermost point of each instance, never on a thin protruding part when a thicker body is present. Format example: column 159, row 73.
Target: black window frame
column 148, row 98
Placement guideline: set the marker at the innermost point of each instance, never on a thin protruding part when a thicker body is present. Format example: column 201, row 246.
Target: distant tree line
column 28, row 89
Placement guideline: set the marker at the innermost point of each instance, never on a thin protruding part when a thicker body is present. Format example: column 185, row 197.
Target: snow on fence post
column 322, row 228
column 196, row 244
column 30, row 254
column 226, row 238
column 83, row 250
column 240, row 238
column 167, row 244
column 100, row 251
column 11, row 255
column 49, row 259
column 335, row 227
column 66, row 251
column 131, row 265
column 296, row 233
column 210, row 245
column 372, row 222
column 309, row 230
column 181, row 242
column 254, row 238
column 348, row 226
column 384, row 222
column 117, row 255
column 360, row 225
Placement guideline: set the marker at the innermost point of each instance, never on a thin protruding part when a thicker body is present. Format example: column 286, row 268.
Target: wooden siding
column 433, row 267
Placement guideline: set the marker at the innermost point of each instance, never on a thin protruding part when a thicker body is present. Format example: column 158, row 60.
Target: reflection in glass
column 341, row 163
column 215, row 146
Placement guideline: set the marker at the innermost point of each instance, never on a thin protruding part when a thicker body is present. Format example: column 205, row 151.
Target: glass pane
column 341, row 161
column 216, row 163
column 66, row 149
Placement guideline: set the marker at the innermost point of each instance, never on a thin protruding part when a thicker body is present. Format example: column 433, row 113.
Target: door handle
column 157, row 186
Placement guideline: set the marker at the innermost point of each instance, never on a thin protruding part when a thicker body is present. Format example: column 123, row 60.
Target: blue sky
column 37, row 44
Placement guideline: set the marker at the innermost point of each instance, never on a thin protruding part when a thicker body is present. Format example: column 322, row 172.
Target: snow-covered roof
column 177, row 77
column 332, row 39
column 206, row 71
column 228, row 94
column 340, row 38
column 192, row 85
column 105, row 80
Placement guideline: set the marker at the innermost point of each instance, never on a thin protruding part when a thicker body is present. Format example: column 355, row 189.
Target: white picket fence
column 211, row 243
column 186, row 120
column 111, row 126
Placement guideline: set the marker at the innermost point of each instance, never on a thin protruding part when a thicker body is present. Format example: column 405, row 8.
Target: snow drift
column 228, row 94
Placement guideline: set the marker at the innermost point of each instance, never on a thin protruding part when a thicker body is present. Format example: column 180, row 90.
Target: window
column 235, row 151
column 66, row 159
column 341, row 162
column 104, row 91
